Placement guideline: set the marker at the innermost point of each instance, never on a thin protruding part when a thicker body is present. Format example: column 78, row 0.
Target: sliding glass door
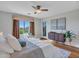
column 24, row 27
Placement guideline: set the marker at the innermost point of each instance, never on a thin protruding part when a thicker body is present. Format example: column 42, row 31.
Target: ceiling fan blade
column 35, row 12
column 34, row 7
column 38, row 6
column 44, row 9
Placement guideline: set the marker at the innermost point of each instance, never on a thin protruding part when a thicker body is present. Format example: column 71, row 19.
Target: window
column 44, row 28
column 54, row 24
column 61, row 23
column 58, row 24
column 24, row 26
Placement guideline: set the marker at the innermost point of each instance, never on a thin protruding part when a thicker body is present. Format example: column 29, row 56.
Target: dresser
column 56, row 36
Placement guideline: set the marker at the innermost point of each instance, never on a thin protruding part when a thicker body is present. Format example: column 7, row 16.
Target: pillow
column 2, row 39
column 14, row 43
column 1, row 33
column 4, row 54
column 4, row 46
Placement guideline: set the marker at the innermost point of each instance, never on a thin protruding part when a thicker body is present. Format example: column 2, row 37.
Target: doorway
column 24, row 27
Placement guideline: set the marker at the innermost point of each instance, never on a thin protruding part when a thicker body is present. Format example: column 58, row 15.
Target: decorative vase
column 68, row 40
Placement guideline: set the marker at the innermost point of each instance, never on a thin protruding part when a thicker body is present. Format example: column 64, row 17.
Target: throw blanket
column 30, row 51
column 49, row 50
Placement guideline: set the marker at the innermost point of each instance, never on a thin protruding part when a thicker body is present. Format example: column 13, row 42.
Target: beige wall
column 38, row 27
column 72, row 21
column 6, row 22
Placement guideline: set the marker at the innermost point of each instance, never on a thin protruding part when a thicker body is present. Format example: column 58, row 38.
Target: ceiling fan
column 38, row 9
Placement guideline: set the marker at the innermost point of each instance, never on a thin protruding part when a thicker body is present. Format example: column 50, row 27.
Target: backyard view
column 23, row 28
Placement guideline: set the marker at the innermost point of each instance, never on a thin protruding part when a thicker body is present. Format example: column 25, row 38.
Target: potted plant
column 68, row 36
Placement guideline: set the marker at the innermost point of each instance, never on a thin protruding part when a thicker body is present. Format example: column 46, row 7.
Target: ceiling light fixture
column 38, row 11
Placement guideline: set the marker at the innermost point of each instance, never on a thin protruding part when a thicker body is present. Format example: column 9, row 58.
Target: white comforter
column 49, row 50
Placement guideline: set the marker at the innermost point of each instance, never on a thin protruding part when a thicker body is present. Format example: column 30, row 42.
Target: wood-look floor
column 74, row 51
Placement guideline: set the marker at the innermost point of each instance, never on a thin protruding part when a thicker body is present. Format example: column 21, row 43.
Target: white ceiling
column 25, row 7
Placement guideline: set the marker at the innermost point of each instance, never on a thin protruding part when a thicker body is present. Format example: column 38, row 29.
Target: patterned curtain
column 16, row 28
column 32, row 28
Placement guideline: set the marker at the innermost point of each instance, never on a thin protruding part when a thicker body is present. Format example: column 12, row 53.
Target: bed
column 36, row 48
